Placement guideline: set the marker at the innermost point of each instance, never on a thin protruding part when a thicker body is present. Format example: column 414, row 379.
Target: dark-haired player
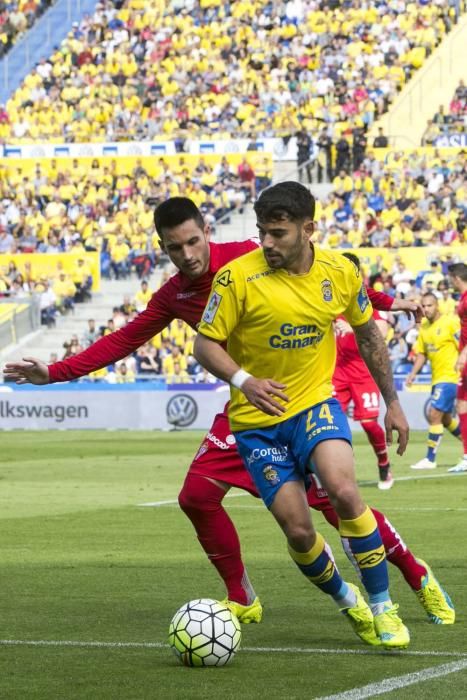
column 217, row 465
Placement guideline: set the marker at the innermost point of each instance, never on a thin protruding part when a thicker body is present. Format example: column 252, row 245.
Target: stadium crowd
column 407, row 199
column 16, row 18
column 404, row 200
column 147, row 70
column 53, row 208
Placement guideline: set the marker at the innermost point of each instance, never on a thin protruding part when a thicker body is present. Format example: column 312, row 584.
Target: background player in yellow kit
column 438, row 342
column 275, row 309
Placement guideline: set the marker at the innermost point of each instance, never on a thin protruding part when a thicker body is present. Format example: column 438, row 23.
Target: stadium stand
column 16, row 18
column 148, row 71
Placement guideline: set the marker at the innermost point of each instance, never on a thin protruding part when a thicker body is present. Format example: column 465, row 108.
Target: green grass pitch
column 83, row 562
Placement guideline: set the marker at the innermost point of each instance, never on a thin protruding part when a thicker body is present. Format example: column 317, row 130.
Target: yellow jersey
column 279, row 326
column 439, row 342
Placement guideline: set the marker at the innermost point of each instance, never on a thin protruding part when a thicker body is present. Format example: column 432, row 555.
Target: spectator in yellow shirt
column 119, row 254
column 142, row 297
column 65, row 291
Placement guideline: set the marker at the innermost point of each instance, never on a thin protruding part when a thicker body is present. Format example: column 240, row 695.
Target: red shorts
column 365, row 397
column 218, row 458
column 462, row 386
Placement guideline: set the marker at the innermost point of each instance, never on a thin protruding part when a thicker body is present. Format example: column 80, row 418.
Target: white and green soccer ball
column 204, row 632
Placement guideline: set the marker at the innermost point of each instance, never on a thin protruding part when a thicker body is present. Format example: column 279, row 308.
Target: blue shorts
column 281, row 452
column 443, row 396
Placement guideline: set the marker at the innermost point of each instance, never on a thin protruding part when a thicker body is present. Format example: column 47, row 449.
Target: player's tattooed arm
column 374, row 351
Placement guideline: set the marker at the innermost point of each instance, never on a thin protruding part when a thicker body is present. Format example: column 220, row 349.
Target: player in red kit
column 353, row 382
column 458, row 276
column 217, row 465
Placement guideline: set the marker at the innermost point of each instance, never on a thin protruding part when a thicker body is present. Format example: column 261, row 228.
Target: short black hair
column 353, row 258
column 289, row 200
column 430, row 294
column 174, row 212
column 458, row 270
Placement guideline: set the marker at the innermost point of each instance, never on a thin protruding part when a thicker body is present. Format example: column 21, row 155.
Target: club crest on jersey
column 224, row 279
column 271, row 475
column 326, row 290
column 212, row 307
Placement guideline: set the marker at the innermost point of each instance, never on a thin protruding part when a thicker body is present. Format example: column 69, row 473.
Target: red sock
column 396, row 550
column 201, row 500
column 398, row 553
column 463, row 425
column 377, row 439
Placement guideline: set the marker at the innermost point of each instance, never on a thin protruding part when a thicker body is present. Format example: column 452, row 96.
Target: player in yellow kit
column 438, row 342
column 275, row 309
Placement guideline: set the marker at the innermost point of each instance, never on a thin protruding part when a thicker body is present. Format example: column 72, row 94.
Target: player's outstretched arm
column 375, row 353
column 410, row 307
column 259, row 392
column 29, row 371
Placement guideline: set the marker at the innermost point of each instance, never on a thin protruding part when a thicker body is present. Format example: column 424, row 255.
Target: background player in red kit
column 458, row 276
column 353, row 382
column 217, row 465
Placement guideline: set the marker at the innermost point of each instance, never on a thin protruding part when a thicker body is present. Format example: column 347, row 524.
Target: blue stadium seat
column 403, row 368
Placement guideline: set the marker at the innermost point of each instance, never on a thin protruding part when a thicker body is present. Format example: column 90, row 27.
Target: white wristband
column 239, row 378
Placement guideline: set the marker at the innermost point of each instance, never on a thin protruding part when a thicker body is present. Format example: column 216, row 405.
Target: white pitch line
column 414, row 477
column 174, row 501
column 260, row 650
column 390, row 684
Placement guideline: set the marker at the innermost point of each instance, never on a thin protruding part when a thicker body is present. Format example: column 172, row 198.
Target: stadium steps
column 46, row 341
column 41, row 40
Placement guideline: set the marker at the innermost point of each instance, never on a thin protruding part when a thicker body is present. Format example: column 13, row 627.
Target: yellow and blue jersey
column 279, row 326
column 439, row 342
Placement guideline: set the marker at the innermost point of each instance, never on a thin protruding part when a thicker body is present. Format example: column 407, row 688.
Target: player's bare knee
column 300, row 537
column 447, row 419
column 347, row 501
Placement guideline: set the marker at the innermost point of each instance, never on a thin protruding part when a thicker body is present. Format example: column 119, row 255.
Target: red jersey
column 180, row 297
column 462, row 313
column 349, row 362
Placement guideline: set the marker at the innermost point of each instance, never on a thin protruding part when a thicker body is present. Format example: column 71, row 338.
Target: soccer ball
column 204, row 632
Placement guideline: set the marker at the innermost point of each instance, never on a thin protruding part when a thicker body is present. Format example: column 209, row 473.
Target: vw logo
column 182, row 411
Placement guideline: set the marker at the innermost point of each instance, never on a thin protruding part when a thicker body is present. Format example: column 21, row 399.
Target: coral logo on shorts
column 326, row 290
column 271, row 475
column 275, row 454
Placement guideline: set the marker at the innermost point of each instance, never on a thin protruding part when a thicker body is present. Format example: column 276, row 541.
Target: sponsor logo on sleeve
column 362, row 298
column 212, row 307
